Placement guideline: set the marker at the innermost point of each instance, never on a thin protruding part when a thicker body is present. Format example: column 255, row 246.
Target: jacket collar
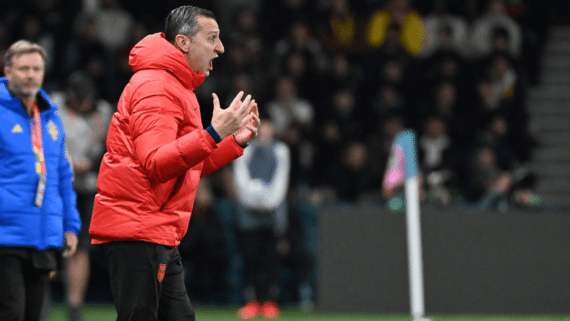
column 9, row 100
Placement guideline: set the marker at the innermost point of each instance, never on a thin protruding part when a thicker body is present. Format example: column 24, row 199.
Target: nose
column 220, row 47
column 31, row 73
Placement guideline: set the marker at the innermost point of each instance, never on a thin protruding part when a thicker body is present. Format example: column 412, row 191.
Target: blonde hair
column 22, row 47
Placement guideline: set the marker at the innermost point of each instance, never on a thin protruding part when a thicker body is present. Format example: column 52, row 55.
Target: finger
column 237, row 100
column 252, row 129
column 245, row 106
column 255, row 120
column 249, row 119
column 216, row 101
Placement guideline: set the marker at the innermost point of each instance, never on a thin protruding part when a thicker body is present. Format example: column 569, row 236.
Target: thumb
column 216, row 103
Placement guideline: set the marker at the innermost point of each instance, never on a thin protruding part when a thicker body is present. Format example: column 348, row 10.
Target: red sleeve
column 154, row 122
column 227, row 151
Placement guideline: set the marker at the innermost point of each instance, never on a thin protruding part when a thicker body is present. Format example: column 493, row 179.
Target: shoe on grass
column 249, row 311
column 270, row 311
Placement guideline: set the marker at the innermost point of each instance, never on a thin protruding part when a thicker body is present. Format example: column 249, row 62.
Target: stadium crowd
column 339, row 79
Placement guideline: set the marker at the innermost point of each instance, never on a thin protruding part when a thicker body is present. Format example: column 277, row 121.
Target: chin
column 32, row 92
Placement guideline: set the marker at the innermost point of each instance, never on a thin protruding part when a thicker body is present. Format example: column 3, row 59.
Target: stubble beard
column 21, row 92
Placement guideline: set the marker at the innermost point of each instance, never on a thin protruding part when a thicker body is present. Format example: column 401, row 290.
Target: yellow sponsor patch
column 52, row 129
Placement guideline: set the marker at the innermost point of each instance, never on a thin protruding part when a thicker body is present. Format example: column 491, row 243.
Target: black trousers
column 147, row 282
column 23, row 288
column 261, row 263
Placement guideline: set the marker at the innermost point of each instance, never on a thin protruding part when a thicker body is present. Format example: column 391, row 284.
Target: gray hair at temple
column 184, row 21
column 21, row 47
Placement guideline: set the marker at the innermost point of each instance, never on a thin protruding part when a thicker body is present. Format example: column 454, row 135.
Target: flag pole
column 415, row 262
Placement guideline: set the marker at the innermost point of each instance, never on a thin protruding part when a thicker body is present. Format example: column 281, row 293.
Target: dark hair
column 184, row 21
column 82, row 86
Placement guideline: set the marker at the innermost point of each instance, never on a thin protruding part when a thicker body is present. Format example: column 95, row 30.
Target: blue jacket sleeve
column 71, row 218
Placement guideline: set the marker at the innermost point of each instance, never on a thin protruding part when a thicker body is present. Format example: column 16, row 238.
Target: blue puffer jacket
column 21, row 222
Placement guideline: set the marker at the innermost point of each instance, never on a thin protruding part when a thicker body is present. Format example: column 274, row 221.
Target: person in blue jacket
column 38, row 212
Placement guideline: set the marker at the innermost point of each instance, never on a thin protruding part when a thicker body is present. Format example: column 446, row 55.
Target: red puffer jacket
column 157, row 150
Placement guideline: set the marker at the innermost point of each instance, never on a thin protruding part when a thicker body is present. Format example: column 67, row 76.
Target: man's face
column 26, row 74
column 205, row 46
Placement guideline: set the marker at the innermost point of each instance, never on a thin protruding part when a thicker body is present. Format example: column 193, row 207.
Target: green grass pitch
column 104, row 312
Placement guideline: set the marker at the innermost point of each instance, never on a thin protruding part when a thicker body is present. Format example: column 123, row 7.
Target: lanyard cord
column 37, row 146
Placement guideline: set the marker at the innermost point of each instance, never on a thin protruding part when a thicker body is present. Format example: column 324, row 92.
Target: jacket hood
column 14, row 103
column 155, row 52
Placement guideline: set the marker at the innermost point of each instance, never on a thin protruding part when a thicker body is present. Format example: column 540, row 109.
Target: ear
column 183, row 43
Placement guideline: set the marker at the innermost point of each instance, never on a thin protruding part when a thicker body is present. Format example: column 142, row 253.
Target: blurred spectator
column 487, row 100
column 261, row 184
column 495, row 134
column 393, row 71
column 56, row 16
column 491, row 184
column 205, row 239
column 299, row 41
column 444, row 100
column 352, row 181
column 296, row 66
column 397, row 16
column 228, row 14
column 296, row 263
column 336, row 127
column 243, row 81
column 389, row 100
column 86, row 52
column 380, row 142
column 448, row 65
column 86, row 120
column 343, row 72
column 287, row 109
column 495, row 27
column 401, row 75
column 5, row 35
column 444, row 31
column 31, row 28
column 329, row 143
column 508, row 86
column 122, row 52
column 245, row 30
column 277, row 17
column 340, row 28
column 114, row 24
column 504, row 77
column 245, row 53
column 499, row 180
column 347, row 115
column 437, row 161
column 530, row 16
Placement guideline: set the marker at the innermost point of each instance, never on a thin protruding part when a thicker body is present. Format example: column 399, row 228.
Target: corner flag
column 403, row 166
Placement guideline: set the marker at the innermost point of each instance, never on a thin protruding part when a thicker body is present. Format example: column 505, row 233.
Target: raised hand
column 236, row 116
column 245, row 134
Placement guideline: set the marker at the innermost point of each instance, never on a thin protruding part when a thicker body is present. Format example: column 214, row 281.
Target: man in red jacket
column 157, row 151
